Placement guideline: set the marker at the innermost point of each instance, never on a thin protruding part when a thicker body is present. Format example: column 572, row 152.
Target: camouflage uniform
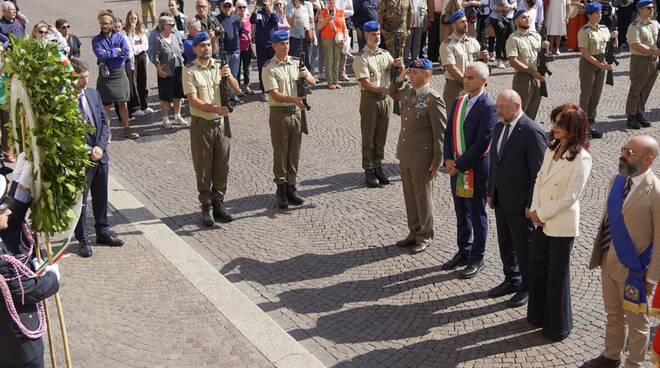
column 393, row 16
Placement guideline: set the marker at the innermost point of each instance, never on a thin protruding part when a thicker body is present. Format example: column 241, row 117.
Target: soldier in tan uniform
column 372, row 70
column 456, row 52
column 279, row 75
column 642, row 37
column 522, row 50
column 209, row 136
column 423, row 123
column 395, row 17
column 592, row 40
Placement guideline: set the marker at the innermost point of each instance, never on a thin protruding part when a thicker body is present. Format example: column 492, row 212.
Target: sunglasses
column 66, row 26
column 43, row 32
column 226, row 5
column 240, row 7
column 628, row 152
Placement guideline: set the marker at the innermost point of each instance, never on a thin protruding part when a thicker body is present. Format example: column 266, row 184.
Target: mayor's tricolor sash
column 634, row 290
column 464, row 179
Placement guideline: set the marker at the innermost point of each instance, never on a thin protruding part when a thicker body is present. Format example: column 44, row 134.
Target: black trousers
column 141, row 77
column 434, row 37
column 38, row 362
column 97, row 183
column 501, row 35
column 514, row 235
column 550, row 284
column 244, row 67
column 482, row 22
column 625, row 16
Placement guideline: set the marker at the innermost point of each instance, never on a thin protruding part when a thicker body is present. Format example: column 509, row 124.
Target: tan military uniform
column 284, row 119
column 525, row 47
column 459, row 52
column 643, row 69
column 592, row 77
column 209, row 138
column 395, row 15
column 375, row 109
column 423, row 124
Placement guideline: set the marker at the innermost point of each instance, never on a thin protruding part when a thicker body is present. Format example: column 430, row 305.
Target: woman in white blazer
column 555, row 212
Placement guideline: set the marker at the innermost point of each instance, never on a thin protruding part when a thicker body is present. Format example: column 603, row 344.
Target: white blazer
column 557, row 190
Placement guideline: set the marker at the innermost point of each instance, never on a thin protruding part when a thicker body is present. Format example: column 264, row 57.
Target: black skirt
column 114, row 88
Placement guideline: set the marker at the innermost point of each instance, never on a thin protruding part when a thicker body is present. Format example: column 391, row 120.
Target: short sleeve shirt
column 459, row 52
column 281, row 76
column 204, row 81
column 525, row 47
column 643, row 32
column 594, row 38
column 374, row 65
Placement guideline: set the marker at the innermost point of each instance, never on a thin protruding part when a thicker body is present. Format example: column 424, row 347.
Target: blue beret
column 594, row 8
column 279, row 36
column 370, row 26
column 456, row 16
column 644, row 3
column 199, row 38
column 518, row 13
column 424, row 64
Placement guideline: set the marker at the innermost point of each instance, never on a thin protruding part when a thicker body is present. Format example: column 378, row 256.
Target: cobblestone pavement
column 129, row 307
column 327, row 271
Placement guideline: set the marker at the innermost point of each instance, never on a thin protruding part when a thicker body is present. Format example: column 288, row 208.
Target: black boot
column 207, row 215
column 633, row 123
column 642, row 121
column 220, row 213
column 370, row 178
column 595, row 134
column 380, row 175
column 293, row 197
column 282, row 200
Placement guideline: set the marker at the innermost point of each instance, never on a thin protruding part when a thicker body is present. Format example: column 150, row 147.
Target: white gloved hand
column 54, row 269
column 26, row 176
column 37, row 263
column 20, row 163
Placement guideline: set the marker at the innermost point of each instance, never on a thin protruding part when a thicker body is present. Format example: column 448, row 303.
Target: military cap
column 199, row 38
column 456, row 16
column 518, row 13
column 279, row 36
column 424, row 64
column 594, row 8
column 370, row 26
column 644, row 3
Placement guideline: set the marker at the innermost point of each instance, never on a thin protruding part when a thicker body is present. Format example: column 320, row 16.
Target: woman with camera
column 333, row 34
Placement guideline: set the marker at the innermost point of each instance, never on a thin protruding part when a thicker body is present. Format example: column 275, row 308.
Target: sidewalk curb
column 282, row 350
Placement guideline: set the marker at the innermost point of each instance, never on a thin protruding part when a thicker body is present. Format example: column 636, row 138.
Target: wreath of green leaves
column 60, row 130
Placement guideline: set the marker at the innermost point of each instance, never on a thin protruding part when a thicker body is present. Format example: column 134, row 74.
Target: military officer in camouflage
column 395, row 17
column 372, row 70
column 456, row 52
column 279, row 76
column 522, row 50
column 642, row 37
column 423, row 123
column 592, row 40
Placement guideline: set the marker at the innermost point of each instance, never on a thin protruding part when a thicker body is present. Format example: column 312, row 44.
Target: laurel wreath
column 58, row 127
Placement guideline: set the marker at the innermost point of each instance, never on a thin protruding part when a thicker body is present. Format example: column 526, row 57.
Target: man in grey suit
column 515, row 157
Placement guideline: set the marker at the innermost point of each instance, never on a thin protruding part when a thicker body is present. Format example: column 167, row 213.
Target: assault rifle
column 224, row 90
column 303, row 91
column 610, row 53
column 394, row 72
column 542, row 62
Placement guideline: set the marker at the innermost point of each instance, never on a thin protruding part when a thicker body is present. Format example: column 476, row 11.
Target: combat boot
column 380, row 175
column 207, row 215
column 293, row 197
column 220, row 213
column 282, row 198
column 370, row 178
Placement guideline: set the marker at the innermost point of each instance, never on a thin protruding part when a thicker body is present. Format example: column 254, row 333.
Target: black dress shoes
column 380, row 175
column 370, row 178
column 602, row 362
column 518, row 300
column 595, row 133
column 419, row 247
column 632, row 122
column 458, row 261
column 293, row 196
column 85, row 249
column 505, row 288
column 405, row 242
column 220, row 212
column 108, row 239
column 472, row 269
column 207, row 215
column 642, row 120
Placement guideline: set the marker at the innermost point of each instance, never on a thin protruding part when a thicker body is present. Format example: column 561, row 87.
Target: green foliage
column 60, row 130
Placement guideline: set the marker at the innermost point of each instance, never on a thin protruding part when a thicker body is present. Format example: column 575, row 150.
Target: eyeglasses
column 240, row 7
column 43, row 32
column 226, row 5
column 66, row 26
column 628, row 152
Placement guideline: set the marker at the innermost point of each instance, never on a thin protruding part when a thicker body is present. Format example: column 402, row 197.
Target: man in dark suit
column 515, row 157
column 467, row 140
column 97, row 176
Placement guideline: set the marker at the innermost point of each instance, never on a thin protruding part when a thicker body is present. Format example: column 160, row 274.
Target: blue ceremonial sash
column 634, row 290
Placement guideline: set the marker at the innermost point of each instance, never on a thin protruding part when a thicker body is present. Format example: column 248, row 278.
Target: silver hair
column 165, row 19
column 191, row 22
column 480, row 68
column 5, row 5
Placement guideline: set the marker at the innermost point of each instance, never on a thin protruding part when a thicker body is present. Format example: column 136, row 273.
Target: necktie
column 505, row 139
column 83, row 109
column 607, row 235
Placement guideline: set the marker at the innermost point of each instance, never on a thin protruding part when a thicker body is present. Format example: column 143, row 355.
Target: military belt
column 211, row 123
column 285, row 109
column 375, row 96
column 643, row 57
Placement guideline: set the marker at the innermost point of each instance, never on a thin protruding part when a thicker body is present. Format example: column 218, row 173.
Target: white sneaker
column 500, row 65
column 179, row 120
column 166, row 123
column 138, row 113
column 148, row 110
